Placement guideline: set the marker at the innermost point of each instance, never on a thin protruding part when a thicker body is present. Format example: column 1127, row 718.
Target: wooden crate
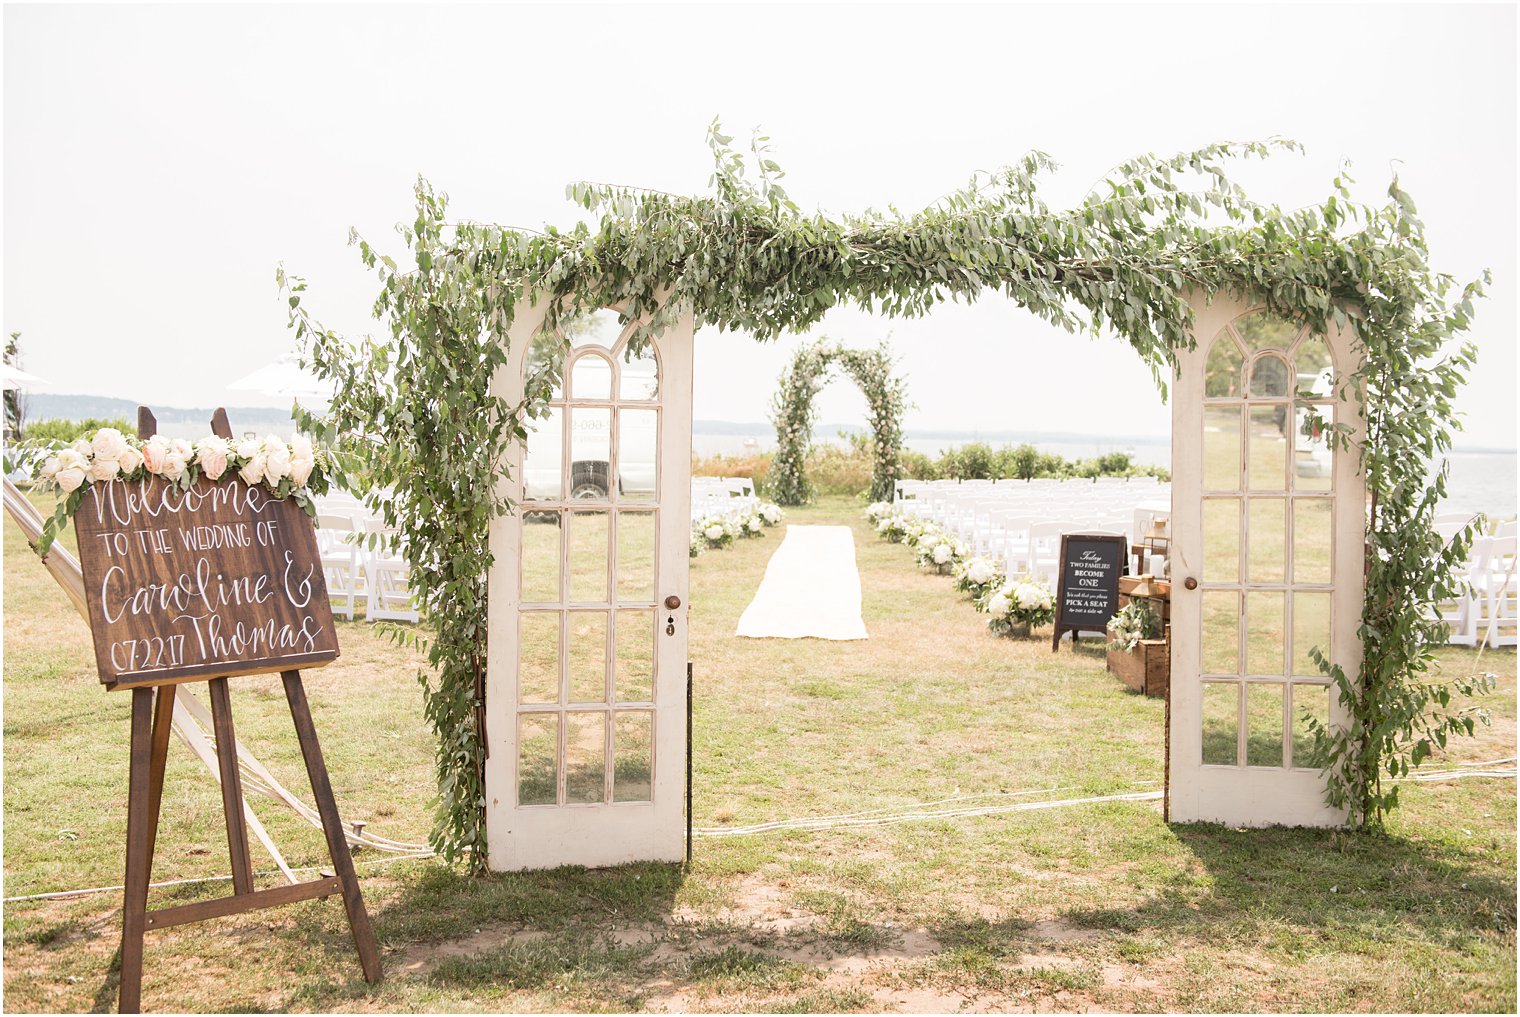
column 1147, row 668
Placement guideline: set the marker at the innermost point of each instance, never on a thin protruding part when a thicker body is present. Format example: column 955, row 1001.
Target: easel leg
column 232, row 786
column 134, row 911
column 332, row 826
column 163, row 721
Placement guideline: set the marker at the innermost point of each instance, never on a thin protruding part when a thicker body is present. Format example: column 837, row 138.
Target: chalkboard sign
column 1087, row 587
column 221, row 579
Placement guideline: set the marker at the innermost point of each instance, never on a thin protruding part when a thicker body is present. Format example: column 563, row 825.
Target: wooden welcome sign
column 1087, row 584
column 196, row 585
column 221, row 579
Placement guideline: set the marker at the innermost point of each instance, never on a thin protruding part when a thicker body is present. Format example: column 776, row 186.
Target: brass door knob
column 672, row 602
column 1190, row 583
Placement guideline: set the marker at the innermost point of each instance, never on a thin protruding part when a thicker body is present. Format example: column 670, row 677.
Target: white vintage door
column 585, row 702
column 1266, row 564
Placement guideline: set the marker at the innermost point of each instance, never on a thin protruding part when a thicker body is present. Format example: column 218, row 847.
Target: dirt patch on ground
column 421, row 958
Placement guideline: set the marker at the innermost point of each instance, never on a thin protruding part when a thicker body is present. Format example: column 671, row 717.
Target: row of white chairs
column 1020, row 523
column 355, row 570
column 1487, row 613
column 722, row 496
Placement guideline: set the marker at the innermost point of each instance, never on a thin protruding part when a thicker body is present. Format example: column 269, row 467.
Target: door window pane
column 1263, row 331
column 1313, row 367
column 537, row 752
column 1266, row 645
column 1221, row 632
column 588, row 656
column 590, row 452
column 634, row 674
column 639, row 377
column 635, row 557
column 540, row 557
column 1221, row 374
column 585, row 758
column 1264, row 724
column 538, row 657
column 1311, row 630
column 632, row 756
column 1267, row 537
column 541, row 457
column 1269, row 378
column 598, row 328
column 1312, row 519
column 1267, row 455
column 588, row 556
column 1221, row 540
column 1220, row 712
column 591, row 377
column 1309, row 701
column 1221, row 448
column 638, row 443
column 1313, row 459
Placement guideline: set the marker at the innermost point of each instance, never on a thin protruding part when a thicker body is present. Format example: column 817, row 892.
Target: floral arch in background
column 793, row 414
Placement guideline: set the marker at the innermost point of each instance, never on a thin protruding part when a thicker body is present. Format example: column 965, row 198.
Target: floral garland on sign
column 285, row 470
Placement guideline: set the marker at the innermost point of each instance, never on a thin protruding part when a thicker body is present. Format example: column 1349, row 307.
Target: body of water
column 1481, row 481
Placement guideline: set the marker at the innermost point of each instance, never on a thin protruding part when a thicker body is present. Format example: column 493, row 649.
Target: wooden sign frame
column 1062, row 627
column 152, row 720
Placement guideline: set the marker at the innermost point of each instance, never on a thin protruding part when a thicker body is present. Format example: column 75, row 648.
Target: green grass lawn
column 1100, row 905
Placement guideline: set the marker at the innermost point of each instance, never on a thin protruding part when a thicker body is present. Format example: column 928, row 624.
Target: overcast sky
column 159, row 162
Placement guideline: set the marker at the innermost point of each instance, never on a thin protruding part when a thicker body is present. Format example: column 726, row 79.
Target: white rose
column 174, row 466
column 49, row 468
column 714, row 532
column 300, row 471
column 253, row 471
column 183, row 449
column 942, row 554
column 71, row 459
column 248, row 448
column 83, row 447
column 276, row 463
column 130, row 460
column 273, row 442
column 300, row 448
column 70, row 477
column 998, row 604
column 109, row 444
column 104, row 469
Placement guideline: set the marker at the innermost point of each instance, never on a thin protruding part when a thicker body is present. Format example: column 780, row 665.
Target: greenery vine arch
column 793, row 414
column 417, row 412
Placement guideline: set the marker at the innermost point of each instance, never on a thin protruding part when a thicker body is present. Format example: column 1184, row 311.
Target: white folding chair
column 342, row 566
column 387, row 585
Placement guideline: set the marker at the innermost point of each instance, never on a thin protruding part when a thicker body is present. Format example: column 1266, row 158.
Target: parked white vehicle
column 590, row 474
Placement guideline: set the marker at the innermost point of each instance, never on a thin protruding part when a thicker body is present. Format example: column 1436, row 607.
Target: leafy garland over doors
column 793, row 413
column 418, row 411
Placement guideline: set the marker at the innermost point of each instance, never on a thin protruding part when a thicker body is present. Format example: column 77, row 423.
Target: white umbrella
column 284, row 377
column 14, row 377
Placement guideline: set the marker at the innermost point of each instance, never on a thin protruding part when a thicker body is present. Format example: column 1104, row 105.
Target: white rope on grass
column 845, row 822
column 60, row 894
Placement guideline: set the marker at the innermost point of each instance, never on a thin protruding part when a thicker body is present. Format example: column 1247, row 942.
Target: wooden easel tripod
column 152, row 714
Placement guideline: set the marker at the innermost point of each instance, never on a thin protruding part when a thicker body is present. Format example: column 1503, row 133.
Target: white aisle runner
column 811, row 588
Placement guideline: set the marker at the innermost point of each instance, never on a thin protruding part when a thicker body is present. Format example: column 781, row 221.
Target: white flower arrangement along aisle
column 285, row 470
column 722, row 529
column 1016, row 604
